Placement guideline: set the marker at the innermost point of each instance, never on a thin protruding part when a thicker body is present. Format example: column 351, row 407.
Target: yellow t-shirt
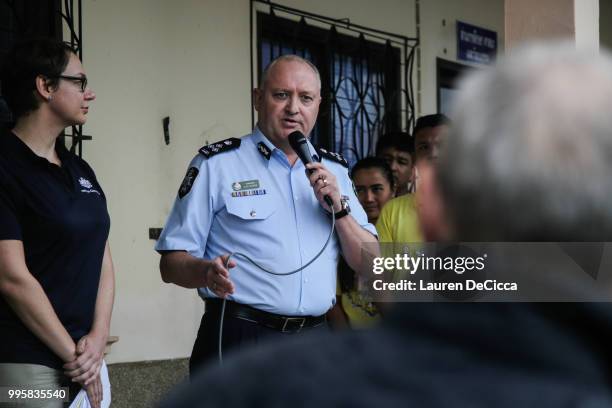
column 359, row 309
column 398, row 225
column 398, row 221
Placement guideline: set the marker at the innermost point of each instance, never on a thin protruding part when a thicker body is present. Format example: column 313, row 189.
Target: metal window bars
column 37, row 18
column 72, row 22
column 366, row 73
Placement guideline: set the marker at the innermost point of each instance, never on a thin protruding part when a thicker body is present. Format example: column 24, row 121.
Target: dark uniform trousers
column 239, row 333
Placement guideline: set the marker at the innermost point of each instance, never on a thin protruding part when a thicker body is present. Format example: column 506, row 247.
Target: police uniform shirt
column 247, row 198
column 60, row 215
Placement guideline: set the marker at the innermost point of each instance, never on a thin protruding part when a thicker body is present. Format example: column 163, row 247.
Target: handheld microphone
column 298, row 143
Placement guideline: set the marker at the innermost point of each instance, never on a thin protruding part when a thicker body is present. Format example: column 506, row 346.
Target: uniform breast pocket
column 251, row 208
column 254, row 227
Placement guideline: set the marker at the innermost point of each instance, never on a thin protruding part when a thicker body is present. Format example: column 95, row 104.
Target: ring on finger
column 324, row 181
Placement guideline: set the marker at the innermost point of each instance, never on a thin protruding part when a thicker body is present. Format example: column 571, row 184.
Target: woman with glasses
column 56, row 271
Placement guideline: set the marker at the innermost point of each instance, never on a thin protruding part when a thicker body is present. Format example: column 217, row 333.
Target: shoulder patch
column 212, row 149
column 336, row 157
column 187, row 183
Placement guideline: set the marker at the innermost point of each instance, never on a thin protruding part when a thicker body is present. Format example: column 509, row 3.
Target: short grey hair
column 529, row 155
column 288, row 58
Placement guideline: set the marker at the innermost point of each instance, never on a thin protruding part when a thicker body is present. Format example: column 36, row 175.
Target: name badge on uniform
column 247, row 188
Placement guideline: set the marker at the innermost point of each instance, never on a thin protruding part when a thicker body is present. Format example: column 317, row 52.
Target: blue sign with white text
column 476, row 44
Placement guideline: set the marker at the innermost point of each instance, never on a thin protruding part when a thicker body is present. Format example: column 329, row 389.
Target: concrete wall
column 543, row 19
column 190, row 60
column 573, row 20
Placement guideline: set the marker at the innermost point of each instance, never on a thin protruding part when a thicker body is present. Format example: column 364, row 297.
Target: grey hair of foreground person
column 529, row 156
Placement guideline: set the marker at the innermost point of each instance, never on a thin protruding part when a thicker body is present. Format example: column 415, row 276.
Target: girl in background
column 373, row 180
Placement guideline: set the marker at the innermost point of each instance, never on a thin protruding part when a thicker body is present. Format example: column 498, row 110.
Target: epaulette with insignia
column 219, row 147
column 337, row 157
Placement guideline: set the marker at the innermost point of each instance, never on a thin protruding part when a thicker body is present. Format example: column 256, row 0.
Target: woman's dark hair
column 23, row 63
column 374, row 163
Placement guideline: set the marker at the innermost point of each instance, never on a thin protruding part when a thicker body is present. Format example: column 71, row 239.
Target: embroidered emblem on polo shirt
column 212, row 149
column 337, row 157
column 87, row 187
column 85, row 183
column 188, row 181
column 264, row 150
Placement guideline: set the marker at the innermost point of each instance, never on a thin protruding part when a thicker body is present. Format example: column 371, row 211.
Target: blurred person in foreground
column 529, row 158
column 56, row 271
column 375, row 185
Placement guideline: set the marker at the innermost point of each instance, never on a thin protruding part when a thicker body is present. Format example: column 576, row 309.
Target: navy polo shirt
column 60, row 215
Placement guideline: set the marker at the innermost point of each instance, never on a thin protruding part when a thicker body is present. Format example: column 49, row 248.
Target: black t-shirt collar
column 25, row 152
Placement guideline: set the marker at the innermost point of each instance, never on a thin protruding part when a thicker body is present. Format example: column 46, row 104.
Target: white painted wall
column 148, row 59
column 586, row 17
column 190, row 60
column 439, row 39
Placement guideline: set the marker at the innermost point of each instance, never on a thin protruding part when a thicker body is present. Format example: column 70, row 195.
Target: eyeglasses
column 81, row 79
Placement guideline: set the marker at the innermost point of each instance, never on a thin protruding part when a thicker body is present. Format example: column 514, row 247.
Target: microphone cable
column 246, row 257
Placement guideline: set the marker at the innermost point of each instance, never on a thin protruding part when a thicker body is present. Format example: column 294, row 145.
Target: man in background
column 428, row 136
column 397, row 150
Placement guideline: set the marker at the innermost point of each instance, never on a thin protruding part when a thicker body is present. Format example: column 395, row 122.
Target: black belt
column 284, row 324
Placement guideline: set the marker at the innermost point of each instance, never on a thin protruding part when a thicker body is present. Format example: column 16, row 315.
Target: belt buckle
column 302, row 321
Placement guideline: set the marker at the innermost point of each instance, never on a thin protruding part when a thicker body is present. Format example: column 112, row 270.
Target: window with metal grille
column 365, row 75
column 21, row 19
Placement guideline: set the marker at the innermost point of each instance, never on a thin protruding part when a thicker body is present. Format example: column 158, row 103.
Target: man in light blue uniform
column 253, row 196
